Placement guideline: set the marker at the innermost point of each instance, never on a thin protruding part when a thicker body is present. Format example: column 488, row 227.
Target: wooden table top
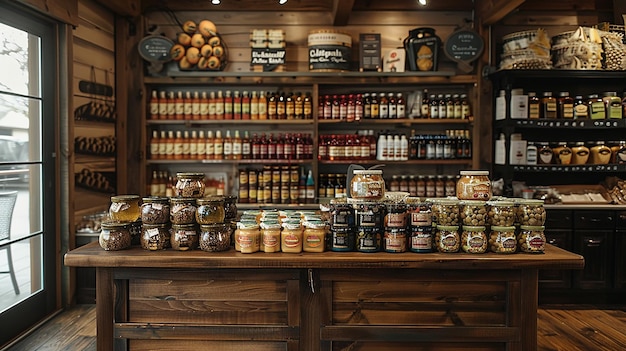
column 91, row 255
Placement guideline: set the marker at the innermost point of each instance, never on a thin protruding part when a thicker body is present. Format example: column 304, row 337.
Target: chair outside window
column 7, row 203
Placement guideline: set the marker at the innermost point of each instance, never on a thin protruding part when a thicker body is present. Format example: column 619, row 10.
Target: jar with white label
column 502, row 239
column 367, row 184
column 474, row 239
column 447, row 239
column 473, row 185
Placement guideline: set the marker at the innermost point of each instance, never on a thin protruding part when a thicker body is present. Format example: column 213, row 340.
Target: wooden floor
column 560, row 328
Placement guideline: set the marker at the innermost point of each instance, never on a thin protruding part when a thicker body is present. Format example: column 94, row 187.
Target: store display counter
column 194, row 300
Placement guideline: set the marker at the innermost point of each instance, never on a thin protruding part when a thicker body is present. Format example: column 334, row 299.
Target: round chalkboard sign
column 464, row 45
column 155, row 48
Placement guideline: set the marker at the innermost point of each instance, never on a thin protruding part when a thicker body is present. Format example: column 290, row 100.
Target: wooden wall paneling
column 492, row 11
column 63, row 10
column 127, row 8
column 342, row 11
column 241, row 5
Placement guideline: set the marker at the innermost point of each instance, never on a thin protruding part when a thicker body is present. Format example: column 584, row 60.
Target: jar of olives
column 210, row 210
column 183, row 210
column 189, row 185
column 114, row 236
column 474, row 239
column 124, row 208
column 447, row 238
column 531, row 239
column 155, row 210
column 474, row 213
column 502, row 239
column 445, row 212
column 531, row 212
column 501, row 213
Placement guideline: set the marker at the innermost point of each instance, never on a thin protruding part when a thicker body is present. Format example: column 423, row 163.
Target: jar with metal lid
column 367, row 184
column 421, row 239
column 114, row 236
column 501, row 213
column 596, row 107
column 531, row 239
column 369, row 214
column 396, row 216
column 249, row 237
column 342, row 238
column 599, row 154
column 230, row 208
column 474, row 213
column 473, row 185
column 243, row 222
column 562, row 153
column 580, row 153
column 420, row 215
column 155, row 237
column 183, row 210
column 189, row 185
column 368, row 239
column 184, row 237
column 155, row 210
column 291, row 237
column 545, row 154
column 531, row 212
column 447, row 238
column 210, row 210
column 502, row 239
column 474, row 239
column 394, row 240
column 214, row 237
column 314, row 236
column 341, row 214
column 445, row 212
column 270, row 237
column 124, row 208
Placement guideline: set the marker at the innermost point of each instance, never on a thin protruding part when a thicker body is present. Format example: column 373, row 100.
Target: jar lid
column 474, row 173
column 473, row 203
column 499, row 228
column 292, row 225
column 474, row 228
column 150, row 226
column 183, row 200
column 536, row 202
column 367, row 171
column 214, row 226
column 247, row 225
column 314, row 224
column 183, row 226
column 114, row 225
column 192, row 175
column 209, row 200
column 124, row 198
column 532, row 227
column 155, row 199
column 500, row 203
column 270, row 225
column 448, row 227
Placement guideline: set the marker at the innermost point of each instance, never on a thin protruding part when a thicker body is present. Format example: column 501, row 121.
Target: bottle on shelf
column 195, row 106
column 425, row 110
column 262, row 106
column 162, row 105
column 236, row 105
column 193, row 145
column 245, row 105
column 210, row 146
column 171, row 106
column 155, row 143
column 212, row 106
column 310, row 188
column 218, row 146
column 201, row 146
column 204, row 106
column 381, row 147
column 290, row 106
column 254, row 106
column 383, row 106
column 228, row 105
column 237, row 146
column 187, row 106
column 393, row 106
column 178, row 146
column 298, row 106
column 179, row 106
column 153, row 105
column 442, row 106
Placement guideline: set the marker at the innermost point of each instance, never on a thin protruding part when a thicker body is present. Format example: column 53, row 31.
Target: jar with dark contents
column 422, row 239
column 341, row 238
column 114, row 236
column 394, row 240
column 124, row 208
column 369, row 214
column 183, row 210
column 184, row 237
column 189, row 185
column 214, row 237
column 230, row 208
column 447, row 238
column 368, row 239
column 474, row 239
column 341, row 214
column 531, row 239
column 155, row 210
column 155, row 237
column 210, row 210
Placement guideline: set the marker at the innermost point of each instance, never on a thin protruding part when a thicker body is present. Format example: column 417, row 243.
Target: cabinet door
column 597, row 248
column 594, row 219
column 620, row 259
column 554, row 278
column 558, row 219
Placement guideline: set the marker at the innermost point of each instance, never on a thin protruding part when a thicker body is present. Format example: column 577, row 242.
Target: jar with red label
column 270, row 237
column 531, row 239
column 248, row 237
column 314, row 236
column 291, row 237
column 396, row 216
column 395, row 240
column 474, row 239
column 502, row 239
column 473, row 185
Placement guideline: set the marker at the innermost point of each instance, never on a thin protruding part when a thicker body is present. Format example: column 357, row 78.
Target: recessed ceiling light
column 215, row 2
column 282, row 2
column 422, row 2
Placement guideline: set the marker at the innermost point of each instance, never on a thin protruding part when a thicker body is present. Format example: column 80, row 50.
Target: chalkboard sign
column 155, row 48
column 464, row 45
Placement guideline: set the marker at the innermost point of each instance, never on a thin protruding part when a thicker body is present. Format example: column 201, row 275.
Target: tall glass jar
column 230, row 208
column 155, row 210
column 124, row 208
column 114, row 236
column 189, row 185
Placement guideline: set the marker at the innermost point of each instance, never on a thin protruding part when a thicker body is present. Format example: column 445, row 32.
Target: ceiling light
column 282, row 2
column 422, row 2
column 215, row 2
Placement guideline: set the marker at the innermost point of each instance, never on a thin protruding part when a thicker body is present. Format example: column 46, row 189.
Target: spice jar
column 531, row 212
column 114, row 236
column 565, row 105
column 341, row 214
column 230, row 208
column 596, row 107
column 214, row 237
column 445, row 212
column 599, row 154
column 368, row 239
column 342, row 238
column 394, row 240
column 580, row 153
column 474, row 239
column 270, row 237
column 314, row 236
column 182, row 210
column 184, row 237
column 562, row 153
column 531, row 239
column 189, row 185
column 501, row 213
column 124, row 208
column 545, row 153
column 155, row 210
column 155, row 237
column 581, row 110
column 367, row 184
column 291, row 237
column 548, row 105
column 447, row 238
column 502, row 239
column 473, row 185
column 210, row 210
column 249, row 237
column 473, row 213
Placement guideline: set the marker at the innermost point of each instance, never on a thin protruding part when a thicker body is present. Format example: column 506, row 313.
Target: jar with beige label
column 473, row 185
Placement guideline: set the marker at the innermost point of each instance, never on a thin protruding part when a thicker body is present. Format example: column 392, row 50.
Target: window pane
column 26, row 259
column 19, row 59
column 20, row 131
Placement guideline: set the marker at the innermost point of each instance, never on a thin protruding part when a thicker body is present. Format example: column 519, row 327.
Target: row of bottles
column 196, row 145
column 277, row 184
column 355, row 107
column 423, row 186
column 163, row 184
column 442, row 106
column 229, row 105
column 454, row 144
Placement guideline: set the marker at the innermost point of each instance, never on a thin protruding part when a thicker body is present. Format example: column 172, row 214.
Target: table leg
column 104, row 308
column 530, row 303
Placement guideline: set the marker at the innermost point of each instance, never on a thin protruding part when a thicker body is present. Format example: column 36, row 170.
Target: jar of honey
column 210, row 210
column 314, row 236
column 124, row 208
column 473, row 185
column 367, row 184
column 270, row 237
column 599, row 154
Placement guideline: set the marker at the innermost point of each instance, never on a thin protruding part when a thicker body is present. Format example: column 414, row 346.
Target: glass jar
column 580, row 153
column 548, row 105
column 369, row 214
column 502, row 239
column 367, row 184
column 183, row 210
column 445, row 212
column 447, row 238
column 155, row 210
column 474, row 213
column 155, row 237
column 230, row 208
column 501, row 213
column 420, row 215
column 114, row 236
column 396, row 216
column 394, row 240
column 214, row 237
column 124, row 208
column 596, row 108
column 599, row 154
column 184, row 237
column 545, row 154
column 368, row 239
column 473, row 185
column 291, row 237
column 421, row 239
column 314, row 236
column 474, row 239
column 210, row 210
column 270, row 237
column 562, row 153
column 249, row 237
column 341, row 214
column 531, row 212
column 531, row 239
column 342, row 238
column 189, row 185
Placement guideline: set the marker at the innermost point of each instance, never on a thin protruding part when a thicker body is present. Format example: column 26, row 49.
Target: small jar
column 545, row 154
column 341, row 214
column 270, row 237
column 562, row 153
column 474, row 213
column 210, row 210
column 502, row 239
column 596, row 107
column 155, row 210
column 394, row 240
column 214, row 237
column 184, row 237
column 501, row 213
column 599, row 154
column 445, row 212
column 124, row 208
column 548, row 105
column 396, row 216
column 230, row 208
column 314, row 236
column 580, row 153
column 474, row 239
column 370, row 214
column 183, row 210
column 291, row 237
column 367, row 184
column 473, row 185
column 342, row 238
column 114, row 236
column 531, row 239
column 189, row 185
column 421, row 239
column 447, row 238
column 368, row 239
column 248, row 237
column 531, row 212
column 420, row 215
column 155, row 237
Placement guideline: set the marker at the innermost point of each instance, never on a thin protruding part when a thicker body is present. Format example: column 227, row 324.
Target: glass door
column 28, row 111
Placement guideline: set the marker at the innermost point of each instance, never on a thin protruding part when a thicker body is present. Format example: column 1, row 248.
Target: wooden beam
column 131, row 8
column 341, row 12
column 492, row 11
column 63, row 10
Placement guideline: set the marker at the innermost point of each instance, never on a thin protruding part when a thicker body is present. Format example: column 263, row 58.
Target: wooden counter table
column 171, row 300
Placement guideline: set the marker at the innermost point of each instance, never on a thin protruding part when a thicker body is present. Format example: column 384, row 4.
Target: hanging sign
column 155, row 48
column 464, row 46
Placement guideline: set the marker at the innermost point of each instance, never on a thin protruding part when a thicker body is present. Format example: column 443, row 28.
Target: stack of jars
column 118, row 232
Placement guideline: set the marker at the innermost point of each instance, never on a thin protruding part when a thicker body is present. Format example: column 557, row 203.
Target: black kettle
column 422, row 49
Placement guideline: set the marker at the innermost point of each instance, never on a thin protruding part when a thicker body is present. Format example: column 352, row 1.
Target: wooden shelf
column 408, row 162
column 404, row 121
column 230, row 121
column 256, row 161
